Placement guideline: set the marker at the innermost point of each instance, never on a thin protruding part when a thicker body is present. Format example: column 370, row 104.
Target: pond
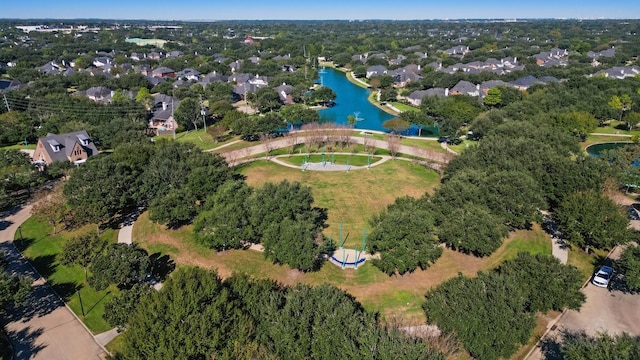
column 596, row 150
column 351, row 100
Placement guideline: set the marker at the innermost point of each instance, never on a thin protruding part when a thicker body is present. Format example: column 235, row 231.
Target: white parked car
column 602, row 276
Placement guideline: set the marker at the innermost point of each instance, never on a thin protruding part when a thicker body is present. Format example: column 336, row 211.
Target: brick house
column 75, row 147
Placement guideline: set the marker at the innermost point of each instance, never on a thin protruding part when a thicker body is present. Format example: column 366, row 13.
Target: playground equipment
column 349, row 258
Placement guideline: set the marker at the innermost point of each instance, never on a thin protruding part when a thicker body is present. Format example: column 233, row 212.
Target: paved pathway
column 44, row 328
column 233, row 157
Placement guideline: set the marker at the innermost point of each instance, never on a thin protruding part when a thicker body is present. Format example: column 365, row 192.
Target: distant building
column 75, row 147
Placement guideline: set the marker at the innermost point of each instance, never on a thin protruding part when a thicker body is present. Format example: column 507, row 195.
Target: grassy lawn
column 616, row 127
column 352, row 198
column 19, row 147
column 586, row 263
column 404, row 107
column 116, row 344
column 41, row 249
column 355, row 160
column 200, row 138
column 423, row 144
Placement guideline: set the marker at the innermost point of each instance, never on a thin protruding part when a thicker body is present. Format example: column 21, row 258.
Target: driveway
column 44, row 328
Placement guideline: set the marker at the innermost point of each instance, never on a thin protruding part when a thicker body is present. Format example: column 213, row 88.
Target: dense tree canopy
column 492, row 314
column 589, row 219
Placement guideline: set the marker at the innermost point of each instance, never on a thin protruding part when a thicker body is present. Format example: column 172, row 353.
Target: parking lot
column 610, row 310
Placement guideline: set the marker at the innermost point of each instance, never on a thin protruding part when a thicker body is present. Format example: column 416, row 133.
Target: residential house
column 604, row 53
column 188, row 74
column 464, row 87
column 284, row 92
column 162, row 120
column 376, row 70
column 163, row 72
column 524, row 83
column 102, row 61
column 490, row 84
column 75, row 147
column 99, row 94
column 404, row 77
column 174, row 54
column 554, row 57
column 619, row 72
column 415, row 98
column 459, row 50
column 235, row 66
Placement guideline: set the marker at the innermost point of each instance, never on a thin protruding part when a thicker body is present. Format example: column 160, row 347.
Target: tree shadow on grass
column 45, row 265
column 23, row 342
column 161, row 266
column 66, row 290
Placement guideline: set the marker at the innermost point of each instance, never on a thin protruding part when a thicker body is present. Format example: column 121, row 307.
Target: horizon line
column 326, row 19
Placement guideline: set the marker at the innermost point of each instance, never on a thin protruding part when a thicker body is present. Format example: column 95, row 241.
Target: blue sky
column 318, row 9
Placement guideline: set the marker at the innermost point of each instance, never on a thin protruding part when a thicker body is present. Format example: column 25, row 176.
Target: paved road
column 44, row 328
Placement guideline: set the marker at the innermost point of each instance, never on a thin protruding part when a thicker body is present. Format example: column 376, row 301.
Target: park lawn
column 354, row 160
column 41, row 249
column 19, row 146
column 241, row 144
column 351, row 197
column 586, row 263
column 200, row 138
column 612, row 128
column 423, row 144
column 392, row 296
column 116, row 345
column 404, row 107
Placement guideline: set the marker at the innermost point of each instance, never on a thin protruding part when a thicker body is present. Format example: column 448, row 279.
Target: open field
column 352, row 198
column 41, row 249
column 200, row 138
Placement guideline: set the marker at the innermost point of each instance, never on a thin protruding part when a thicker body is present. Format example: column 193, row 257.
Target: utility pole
column 6, row 103
column 173, row 120
column 203, row 113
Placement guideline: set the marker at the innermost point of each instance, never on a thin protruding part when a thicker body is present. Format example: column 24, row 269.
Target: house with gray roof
column 284, row 93
column 464, row 87
column 99, row 94
column 415, row 98
column 163, row 72
column 75, row 147
column 490, row 84
column 619, row 72
column 524, row 83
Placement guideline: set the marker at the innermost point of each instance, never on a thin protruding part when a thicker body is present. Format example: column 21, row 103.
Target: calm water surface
column 350, row 100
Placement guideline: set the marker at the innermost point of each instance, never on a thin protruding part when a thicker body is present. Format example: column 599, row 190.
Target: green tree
column 493, row 97
column 193, row 316
column 324, row 95
column 629, row 265
column 13, row 289
column 561, row 283
column 588, row 219
column 267, row 99
column 396, row 125
column 144, row 97
column 578, row 122
column 293, row 242
column 622, row 103
column 187, row 113
column 119, row 309
column 403, row 235
column 120, row 96
column 579, row 346
column 486, row 313
column 51, row 208
column 225, row 223
column 81, row 250
column 175, row 208
column 99, row 189
column 472, row 228
column 121, row 264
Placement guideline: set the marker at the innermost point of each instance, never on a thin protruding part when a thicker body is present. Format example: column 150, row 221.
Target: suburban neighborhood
column 288, row 189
